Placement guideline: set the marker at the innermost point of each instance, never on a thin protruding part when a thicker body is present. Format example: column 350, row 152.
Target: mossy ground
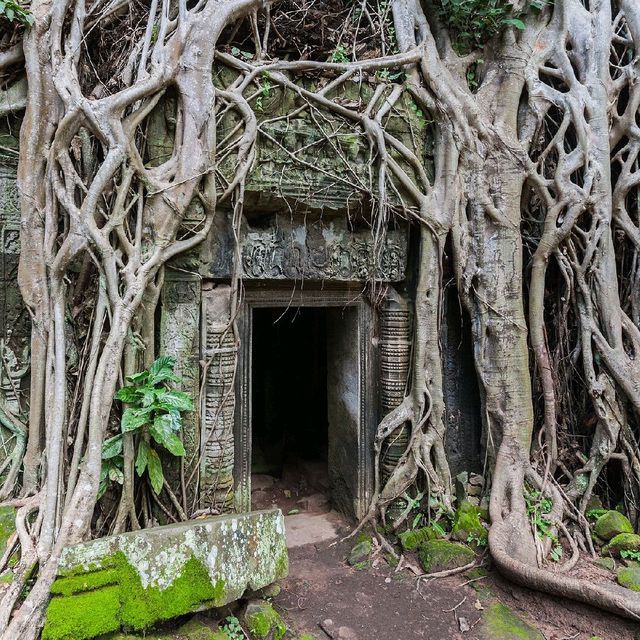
column 502, row 624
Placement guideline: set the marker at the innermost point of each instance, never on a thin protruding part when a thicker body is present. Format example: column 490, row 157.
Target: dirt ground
column 379, row 604
column 326, row 597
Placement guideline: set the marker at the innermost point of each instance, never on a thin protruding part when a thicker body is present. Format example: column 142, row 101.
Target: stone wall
column 15, row 325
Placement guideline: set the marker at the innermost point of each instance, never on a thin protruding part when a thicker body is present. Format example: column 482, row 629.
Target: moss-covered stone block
column 263, row 622
column 411, row 540
column 360, row 553
column 622, row 542
column 629, row 577
column 501, row 623
column 467, row 524
column 605, row 563
column 611, row 524
column 442, row 555
column 196, row 629
column 137, row 579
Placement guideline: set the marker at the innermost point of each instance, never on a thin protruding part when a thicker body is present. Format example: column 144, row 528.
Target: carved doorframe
column 262, row 296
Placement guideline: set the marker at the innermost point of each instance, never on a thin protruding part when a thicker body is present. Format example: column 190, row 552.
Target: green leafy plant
column 265, row 92
column 235, row 51
column 538, row 506
column 594, row 514
column 630, row 554
column 153, row 414
column 340, row 55
column 233, row 629
column 474, row 22
column 14, row 12
column 478, row 541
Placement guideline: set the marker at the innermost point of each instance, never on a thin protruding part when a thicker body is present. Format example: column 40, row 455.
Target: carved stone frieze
column 292, row 249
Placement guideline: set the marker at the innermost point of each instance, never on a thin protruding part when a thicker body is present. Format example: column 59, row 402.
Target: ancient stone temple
column 297, row 368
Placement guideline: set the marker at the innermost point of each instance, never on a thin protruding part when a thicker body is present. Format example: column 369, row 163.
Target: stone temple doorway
column 307, row 412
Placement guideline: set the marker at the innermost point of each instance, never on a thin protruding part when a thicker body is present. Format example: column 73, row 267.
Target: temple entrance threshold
column 307, row 419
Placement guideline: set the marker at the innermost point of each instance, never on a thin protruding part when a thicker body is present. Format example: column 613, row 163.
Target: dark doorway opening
column 289, row 409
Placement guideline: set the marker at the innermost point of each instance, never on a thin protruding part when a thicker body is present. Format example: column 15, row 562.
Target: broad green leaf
column 154, row 468
column 138, row 378
column 116, row 474
column 130, row 395
column 515, row 22
column 134, row 419
column 161, row 428
column 143, row 457
column 148, row 396
column 104, row 479
column 112, row 447
column 174, row 399
column 173, row 444
column 162, row 368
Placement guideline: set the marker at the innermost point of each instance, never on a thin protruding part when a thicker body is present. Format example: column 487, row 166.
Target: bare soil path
column 326, row 597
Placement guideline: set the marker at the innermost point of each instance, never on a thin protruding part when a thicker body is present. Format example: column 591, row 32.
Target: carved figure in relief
column 12, row 370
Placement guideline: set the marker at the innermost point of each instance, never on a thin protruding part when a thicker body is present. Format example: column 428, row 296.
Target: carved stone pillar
column 395, row 356
column 219, row 362
column 180, row 338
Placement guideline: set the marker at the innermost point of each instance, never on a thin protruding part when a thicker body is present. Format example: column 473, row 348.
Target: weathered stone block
column 136, row 579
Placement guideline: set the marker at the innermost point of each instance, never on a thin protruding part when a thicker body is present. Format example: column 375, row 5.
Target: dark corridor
column 289, row 389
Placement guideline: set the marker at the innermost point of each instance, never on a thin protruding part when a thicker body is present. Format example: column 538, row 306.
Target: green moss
column 629, row 577
column 467, row 524
column 7, row 526
column 622, row 542
column 263, row 621
column 191, row 590
column 605, row 563
column 502, row 624
column 118, row 594
column 411, row 540
column 360, row 553
column 86, row 582
column 441, row 555
column 307, row 636
column 611, row 524
column 282, row 565
column 83, row 616
column 196, row 629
